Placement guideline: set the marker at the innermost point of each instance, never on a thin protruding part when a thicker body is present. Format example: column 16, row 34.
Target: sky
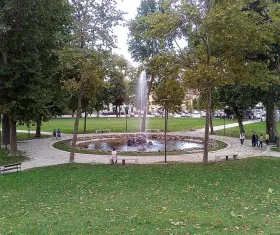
column 130, row 7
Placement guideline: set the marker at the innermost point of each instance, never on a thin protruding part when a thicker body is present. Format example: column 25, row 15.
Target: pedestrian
column 261, row 140
column 58, row 134
column 267, row 139
column 114, row 156
column 54, row 134
column 253, row 140
column 242, row 138
column 257, row 140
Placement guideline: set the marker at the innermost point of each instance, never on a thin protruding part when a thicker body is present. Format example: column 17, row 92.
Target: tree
column 218, row 35
column 116, row 71
column 240, row 98
column 80, row 74
column 30, row 32
column 144, row 50
column 91, row 38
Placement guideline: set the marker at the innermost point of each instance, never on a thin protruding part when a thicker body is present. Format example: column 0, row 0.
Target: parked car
column 195, row 114
column 185, row 115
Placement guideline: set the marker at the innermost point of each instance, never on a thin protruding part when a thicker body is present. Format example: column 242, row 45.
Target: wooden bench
column 123, row 160
column 102, row 131
column 226, row 157
column 14, row 166
column 152, row 130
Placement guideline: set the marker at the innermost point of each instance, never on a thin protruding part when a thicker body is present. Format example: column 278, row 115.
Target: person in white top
column 114, row 156
column 242, row 138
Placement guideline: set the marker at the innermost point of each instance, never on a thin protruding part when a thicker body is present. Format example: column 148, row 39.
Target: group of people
column 256, row 140
column 56, row 134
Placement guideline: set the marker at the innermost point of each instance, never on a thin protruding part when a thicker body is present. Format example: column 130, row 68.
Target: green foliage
column 154, row 199
column 32, row 31
column 93, row 23
column 116, row 69
column 239, row 97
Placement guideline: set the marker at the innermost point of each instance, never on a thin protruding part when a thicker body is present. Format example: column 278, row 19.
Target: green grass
column 258, row 127
column 5, row 159
column 66, row 125
column 236, row 197
column 25, row 136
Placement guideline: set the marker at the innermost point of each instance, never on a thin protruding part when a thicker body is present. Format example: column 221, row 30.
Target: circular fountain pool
column 154, row 143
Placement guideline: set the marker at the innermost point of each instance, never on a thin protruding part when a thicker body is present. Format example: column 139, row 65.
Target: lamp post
column 224, row 125
column 165, row 128
column 126, row 112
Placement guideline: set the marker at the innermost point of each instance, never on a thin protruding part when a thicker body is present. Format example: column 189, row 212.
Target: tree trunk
column 211, row 124
column 207, row 121
column 97, row 114
column 5, row 130
column 38, row 129
column 271, row 121
column 0, row 131
column 85, row 122
column 13, row 138
column 76, row 126
column 239, row 120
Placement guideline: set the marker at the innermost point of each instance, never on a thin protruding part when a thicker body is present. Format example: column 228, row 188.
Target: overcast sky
column 129, row 6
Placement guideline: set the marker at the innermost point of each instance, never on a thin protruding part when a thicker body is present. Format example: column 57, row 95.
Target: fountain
column 141, row 99
column 141, row 142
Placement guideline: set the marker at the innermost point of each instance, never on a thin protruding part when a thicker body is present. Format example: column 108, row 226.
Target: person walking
column 58, row 134
column 54, row 134
column 253, row 140
column 267, row 139
column 114, row 158
column 261, row 141
column 242, row 138
column 257, row 140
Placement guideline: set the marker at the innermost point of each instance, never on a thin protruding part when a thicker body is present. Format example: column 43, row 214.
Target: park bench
column 152, row 130
column 14, row 166
column 122, row 160
column 102, row 131
column 226, row 157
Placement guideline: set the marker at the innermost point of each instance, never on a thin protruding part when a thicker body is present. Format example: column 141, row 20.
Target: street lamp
column 165, row 128
column 224, row 125
column 126, row 112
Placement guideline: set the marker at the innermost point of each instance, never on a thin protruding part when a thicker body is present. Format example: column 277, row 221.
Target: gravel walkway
column 41, row 153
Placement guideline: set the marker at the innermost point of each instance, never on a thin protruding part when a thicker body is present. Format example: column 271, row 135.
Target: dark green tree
column 30, row 32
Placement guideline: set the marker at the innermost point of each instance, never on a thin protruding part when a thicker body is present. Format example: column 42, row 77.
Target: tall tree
column 30, row 32
column 144, row 50
column 116, row 71
column 218, row 35
column 92, row 31
column 239, row 98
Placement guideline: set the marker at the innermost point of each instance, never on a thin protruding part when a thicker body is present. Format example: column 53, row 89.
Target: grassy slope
column 118, row 124
column 258, row 127
column 240, row 197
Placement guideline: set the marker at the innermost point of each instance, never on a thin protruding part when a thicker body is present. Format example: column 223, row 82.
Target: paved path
column 41, row 153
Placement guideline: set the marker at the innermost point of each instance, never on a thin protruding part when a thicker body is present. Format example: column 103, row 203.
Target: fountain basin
column 105, row 143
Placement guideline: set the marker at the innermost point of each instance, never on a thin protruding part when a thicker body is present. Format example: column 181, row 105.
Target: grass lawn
column 258, row 127
column 66, row 125
column 236, row 197
column 25, row 136
column 5, row 159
